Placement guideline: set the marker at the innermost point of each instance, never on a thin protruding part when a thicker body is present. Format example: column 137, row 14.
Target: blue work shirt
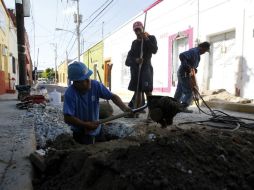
column 85, row 106
column 189, row 59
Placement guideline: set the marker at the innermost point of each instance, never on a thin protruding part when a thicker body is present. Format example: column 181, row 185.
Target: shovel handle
column 113, row 117
column 122, row 115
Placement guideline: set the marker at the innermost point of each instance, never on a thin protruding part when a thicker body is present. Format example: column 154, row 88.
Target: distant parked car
column 42, row 81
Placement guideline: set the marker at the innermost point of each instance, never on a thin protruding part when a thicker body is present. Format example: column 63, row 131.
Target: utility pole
column 78, row 20
column 55, row 49
column 21, row 42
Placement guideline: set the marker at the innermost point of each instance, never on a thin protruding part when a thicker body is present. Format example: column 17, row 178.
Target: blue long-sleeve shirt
column 189, row 59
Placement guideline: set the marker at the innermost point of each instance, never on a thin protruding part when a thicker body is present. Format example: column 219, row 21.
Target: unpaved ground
column 175, row 159
column 16, row 142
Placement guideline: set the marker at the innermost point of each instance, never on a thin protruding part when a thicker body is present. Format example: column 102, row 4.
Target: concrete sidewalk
column 17, row 142
column 9, row 97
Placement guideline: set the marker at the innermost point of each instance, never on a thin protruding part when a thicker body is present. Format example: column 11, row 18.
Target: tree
column 49, row 73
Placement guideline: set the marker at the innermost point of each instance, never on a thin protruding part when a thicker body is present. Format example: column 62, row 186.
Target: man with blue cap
column 81, row 103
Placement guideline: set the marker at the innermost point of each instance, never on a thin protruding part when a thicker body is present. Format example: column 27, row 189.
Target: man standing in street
column 134, row 60
column 189, row 61
column 81, row 104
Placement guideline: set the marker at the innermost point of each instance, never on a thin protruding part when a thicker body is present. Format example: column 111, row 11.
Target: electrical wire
column 99, row 8
column 64, row 34
column 69, row 52
column 219, row 117
column 97, row 15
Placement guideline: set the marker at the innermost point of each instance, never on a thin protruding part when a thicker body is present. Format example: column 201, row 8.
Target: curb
column 237, row 107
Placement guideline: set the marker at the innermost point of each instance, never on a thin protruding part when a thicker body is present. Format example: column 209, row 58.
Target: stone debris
column 118, row 130
column 48, row 123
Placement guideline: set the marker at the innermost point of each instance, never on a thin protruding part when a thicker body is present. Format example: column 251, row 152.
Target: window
column 13, row 65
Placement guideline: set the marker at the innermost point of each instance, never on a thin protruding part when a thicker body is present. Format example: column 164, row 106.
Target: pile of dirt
column 63, row 142
column 183, row 159
column 223, row 96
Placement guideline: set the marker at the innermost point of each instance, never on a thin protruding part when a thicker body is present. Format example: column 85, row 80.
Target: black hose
column 218, row 116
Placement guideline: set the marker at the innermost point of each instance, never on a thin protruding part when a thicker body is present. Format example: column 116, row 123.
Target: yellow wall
column 4, row 34
column 93, row 56
column 63, row 74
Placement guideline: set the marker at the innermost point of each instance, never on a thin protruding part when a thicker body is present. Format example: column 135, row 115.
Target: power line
column 64, row 24
column 68, row 45
column 56, row 18
column 97, row 15
column 69, row 52
column 104, row 15
column 98, row 8
column 92, row 20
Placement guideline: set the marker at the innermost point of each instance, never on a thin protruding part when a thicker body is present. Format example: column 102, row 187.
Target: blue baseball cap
column 78, row 71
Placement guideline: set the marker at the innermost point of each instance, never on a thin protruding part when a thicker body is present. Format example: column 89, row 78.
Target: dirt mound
column 184, row 159
column 223, row 96
column 62, row 142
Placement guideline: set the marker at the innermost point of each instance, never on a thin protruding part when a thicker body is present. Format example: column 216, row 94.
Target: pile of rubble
column 48, row 123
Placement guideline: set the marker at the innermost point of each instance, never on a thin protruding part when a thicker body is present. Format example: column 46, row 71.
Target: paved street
column 52, row 87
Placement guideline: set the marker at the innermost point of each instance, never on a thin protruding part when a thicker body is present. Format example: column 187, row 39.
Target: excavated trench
column 176, row 159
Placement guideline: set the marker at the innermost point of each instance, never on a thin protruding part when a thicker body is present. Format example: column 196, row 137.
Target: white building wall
column 170, row 17
column 13, row 52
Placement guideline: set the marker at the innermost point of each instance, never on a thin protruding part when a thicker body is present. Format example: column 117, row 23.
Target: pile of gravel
column 48, row 123
column 118, row 130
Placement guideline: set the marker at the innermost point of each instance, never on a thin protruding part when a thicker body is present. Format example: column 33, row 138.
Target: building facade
column 8, row 50
column 62, row 72
column 93, row 58
column 180, row 25
column 9, row 68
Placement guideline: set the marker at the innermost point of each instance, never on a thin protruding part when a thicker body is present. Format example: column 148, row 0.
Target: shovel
column 122, row 114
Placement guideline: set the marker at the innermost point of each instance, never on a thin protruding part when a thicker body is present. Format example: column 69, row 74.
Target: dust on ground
column 173, row 158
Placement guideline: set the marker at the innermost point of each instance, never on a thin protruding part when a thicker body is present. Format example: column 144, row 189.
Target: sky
column 46, row 15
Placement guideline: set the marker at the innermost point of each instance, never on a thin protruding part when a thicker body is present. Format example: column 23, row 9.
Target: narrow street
column 52, row 87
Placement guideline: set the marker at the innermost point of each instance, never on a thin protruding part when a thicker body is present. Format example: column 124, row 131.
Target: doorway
column 107, row 73
column 222, row 62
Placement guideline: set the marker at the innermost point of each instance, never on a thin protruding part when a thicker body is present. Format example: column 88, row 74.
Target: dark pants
column 83, row 138
column 133, row 99
column 183, row 92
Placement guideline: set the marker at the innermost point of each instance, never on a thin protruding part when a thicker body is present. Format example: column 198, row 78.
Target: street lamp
column 61, row 29
column 77, row 36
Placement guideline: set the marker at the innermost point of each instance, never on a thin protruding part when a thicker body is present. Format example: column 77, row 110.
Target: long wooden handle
column 113, row 117
column 122, row 115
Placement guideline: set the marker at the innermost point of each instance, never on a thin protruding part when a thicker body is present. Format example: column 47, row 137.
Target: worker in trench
column 81, row 104
column 134, row 60
column 189, row 63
